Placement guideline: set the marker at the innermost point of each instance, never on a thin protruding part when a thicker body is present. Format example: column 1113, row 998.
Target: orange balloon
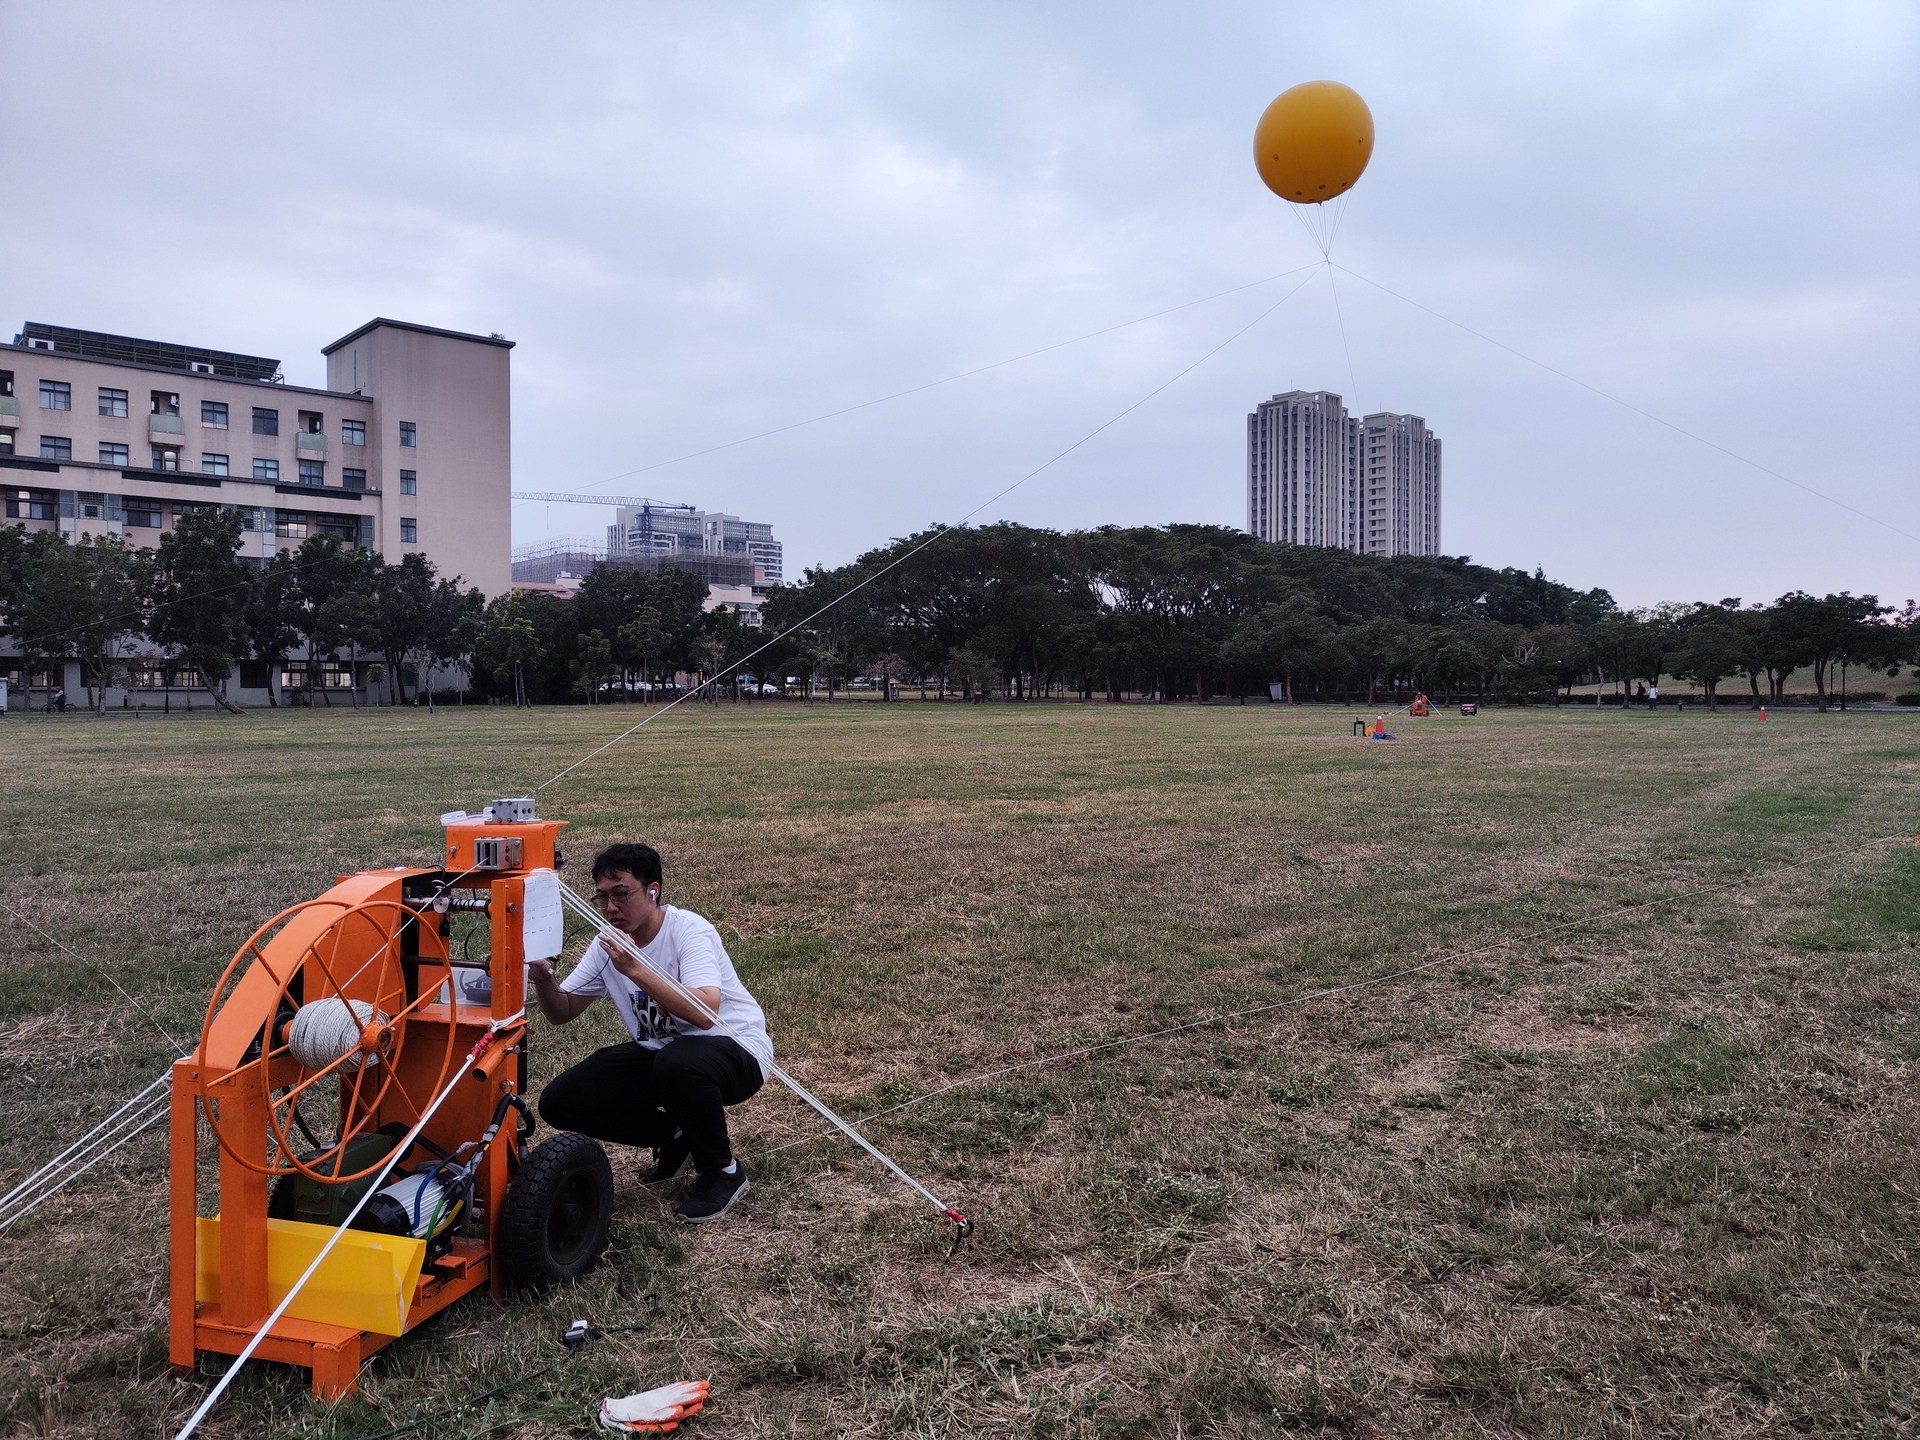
column 1313, row 142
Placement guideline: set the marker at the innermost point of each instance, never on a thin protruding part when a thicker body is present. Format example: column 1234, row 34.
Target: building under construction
column 739, row 559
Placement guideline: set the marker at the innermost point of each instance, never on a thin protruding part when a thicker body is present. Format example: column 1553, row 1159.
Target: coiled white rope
column 326, row 1031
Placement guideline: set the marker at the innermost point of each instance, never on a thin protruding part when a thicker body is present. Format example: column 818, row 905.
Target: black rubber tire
column 280, row 1200
column 553, row 1223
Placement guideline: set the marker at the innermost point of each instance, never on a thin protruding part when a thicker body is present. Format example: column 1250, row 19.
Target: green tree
column 447, row 635
column 1713, row 650
column 1827, row 630
column 592, row 666
column 404, row 595
column 200, row 591
column 329, row 572
column 84, row 600
column 1450, row 659
column 270, row 620
column 507, row 645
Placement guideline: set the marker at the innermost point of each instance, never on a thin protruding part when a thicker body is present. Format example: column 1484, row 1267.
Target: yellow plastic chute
column 1313, row 142
column 365, row 1283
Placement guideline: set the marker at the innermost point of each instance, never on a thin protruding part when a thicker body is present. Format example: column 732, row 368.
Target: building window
column 165, row 402
column 353, row 432
column 142, row 513
column 33, row 504
column 408, row 484
column 290, row 525
column 266, row 422
column 6, row 442
column 346, row 527
column 334, row 675
column 353, row 479
column 6, row 382
column 165, row 457
column 409, row 532
column 407, row 433
column 90, row 506
column 266, row 469
column 113, row 402
column 56, row 395
column 213, row 414
column 113, row 454
column 211, row 464
column 313, row 472
column 312, row 423
column 55, row 447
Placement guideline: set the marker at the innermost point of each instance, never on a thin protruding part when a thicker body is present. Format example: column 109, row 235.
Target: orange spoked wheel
column 355, row 1032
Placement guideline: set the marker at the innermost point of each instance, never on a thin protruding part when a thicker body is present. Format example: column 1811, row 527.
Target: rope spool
column 331, row 1030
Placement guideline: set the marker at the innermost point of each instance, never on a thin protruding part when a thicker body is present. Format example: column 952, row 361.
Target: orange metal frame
column 218, row 1078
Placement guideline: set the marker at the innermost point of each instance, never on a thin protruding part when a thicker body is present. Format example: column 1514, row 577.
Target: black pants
column 635, row 1096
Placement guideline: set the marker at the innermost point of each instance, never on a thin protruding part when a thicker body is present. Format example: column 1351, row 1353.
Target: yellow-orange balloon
column 1313, row 142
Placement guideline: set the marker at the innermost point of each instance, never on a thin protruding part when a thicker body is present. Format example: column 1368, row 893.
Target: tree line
column 1181, row 612
column 1196, row 612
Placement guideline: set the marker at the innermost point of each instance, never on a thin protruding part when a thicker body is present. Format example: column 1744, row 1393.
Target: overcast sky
column 700, row 222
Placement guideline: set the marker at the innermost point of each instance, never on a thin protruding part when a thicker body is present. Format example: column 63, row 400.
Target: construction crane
column 621, row 502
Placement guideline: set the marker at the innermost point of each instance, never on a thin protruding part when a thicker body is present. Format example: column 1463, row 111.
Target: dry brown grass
column 1653, row 1177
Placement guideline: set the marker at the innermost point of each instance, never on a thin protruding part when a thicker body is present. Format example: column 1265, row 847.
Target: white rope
column 326, row 1031
column 1629, row 405
column 57, row 1161
column 393, row 1159
column 98, row 970
column 619, row 937
column 947, row 380
column 933, row 539
column 152, row 1114
column 1331, row 990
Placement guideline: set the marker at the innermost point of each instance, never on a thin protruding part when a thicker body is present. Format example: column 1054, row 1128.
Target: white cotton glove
column 654, row 1412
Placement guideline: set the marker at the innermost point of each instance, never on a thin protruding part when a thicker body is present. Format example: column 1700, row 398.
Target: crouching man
column 668, row 1088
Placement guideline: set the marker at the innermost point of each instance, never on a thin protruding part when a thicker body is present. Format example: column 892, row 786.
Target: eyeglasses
column 604, row 898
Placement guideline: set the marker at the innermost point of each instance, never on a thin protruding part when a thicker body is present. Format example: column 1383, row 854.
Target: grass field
column 1654, row 1176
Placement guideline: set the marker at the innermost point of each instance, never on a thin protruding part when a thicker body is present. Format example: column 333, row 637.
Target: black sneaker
column 711, row 1196
column 670, row 1162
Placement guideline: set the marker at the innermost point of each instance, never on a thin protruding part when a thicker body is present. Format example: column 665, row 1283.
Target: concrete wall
column 456, row 390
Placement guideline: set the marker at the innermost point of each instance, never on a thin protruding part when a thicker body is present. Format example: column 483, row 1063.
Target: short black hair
column 640, row 861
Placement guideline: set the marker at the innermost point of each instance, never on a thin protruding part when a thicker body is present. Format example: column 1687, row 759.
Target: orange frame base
column 334, row 1352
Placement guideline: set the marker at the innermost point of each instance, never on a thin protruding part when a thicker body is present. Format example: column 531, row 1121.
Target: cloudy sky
column 704, row 222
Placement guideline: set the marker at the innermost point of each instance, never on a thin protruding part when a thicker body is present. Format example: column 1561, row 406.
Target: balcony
column 10, row 405
column 310, row 442
column 170, row 426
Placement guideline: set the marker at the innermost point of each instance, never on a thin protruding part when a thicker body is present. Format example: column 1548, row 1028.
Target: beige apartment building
column 407, row 449
column 1303, row 470
column 1400, row 482
column 1316, row 475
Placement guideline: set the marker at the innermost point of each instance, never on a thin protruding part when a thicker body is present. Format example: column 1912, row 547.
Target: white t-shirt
column 688, row 950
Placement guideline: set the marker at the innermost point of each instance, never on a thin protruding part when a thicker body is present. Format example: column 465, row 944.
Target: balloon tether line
column 933, row 539
column 1629, row 405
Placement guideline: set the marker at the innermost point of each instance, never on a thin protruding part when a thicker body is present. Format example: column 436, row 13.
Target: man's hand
column 556, row 1004
column 669, row 996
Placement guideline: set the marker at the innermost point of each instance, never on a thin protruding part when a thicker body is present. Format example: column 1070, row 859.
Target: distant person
column 669, row 1086
column 1653, row 697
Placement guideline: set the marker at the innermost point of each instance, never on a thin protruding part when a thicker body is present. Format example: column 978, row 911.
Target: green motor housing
column 325, row 1202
